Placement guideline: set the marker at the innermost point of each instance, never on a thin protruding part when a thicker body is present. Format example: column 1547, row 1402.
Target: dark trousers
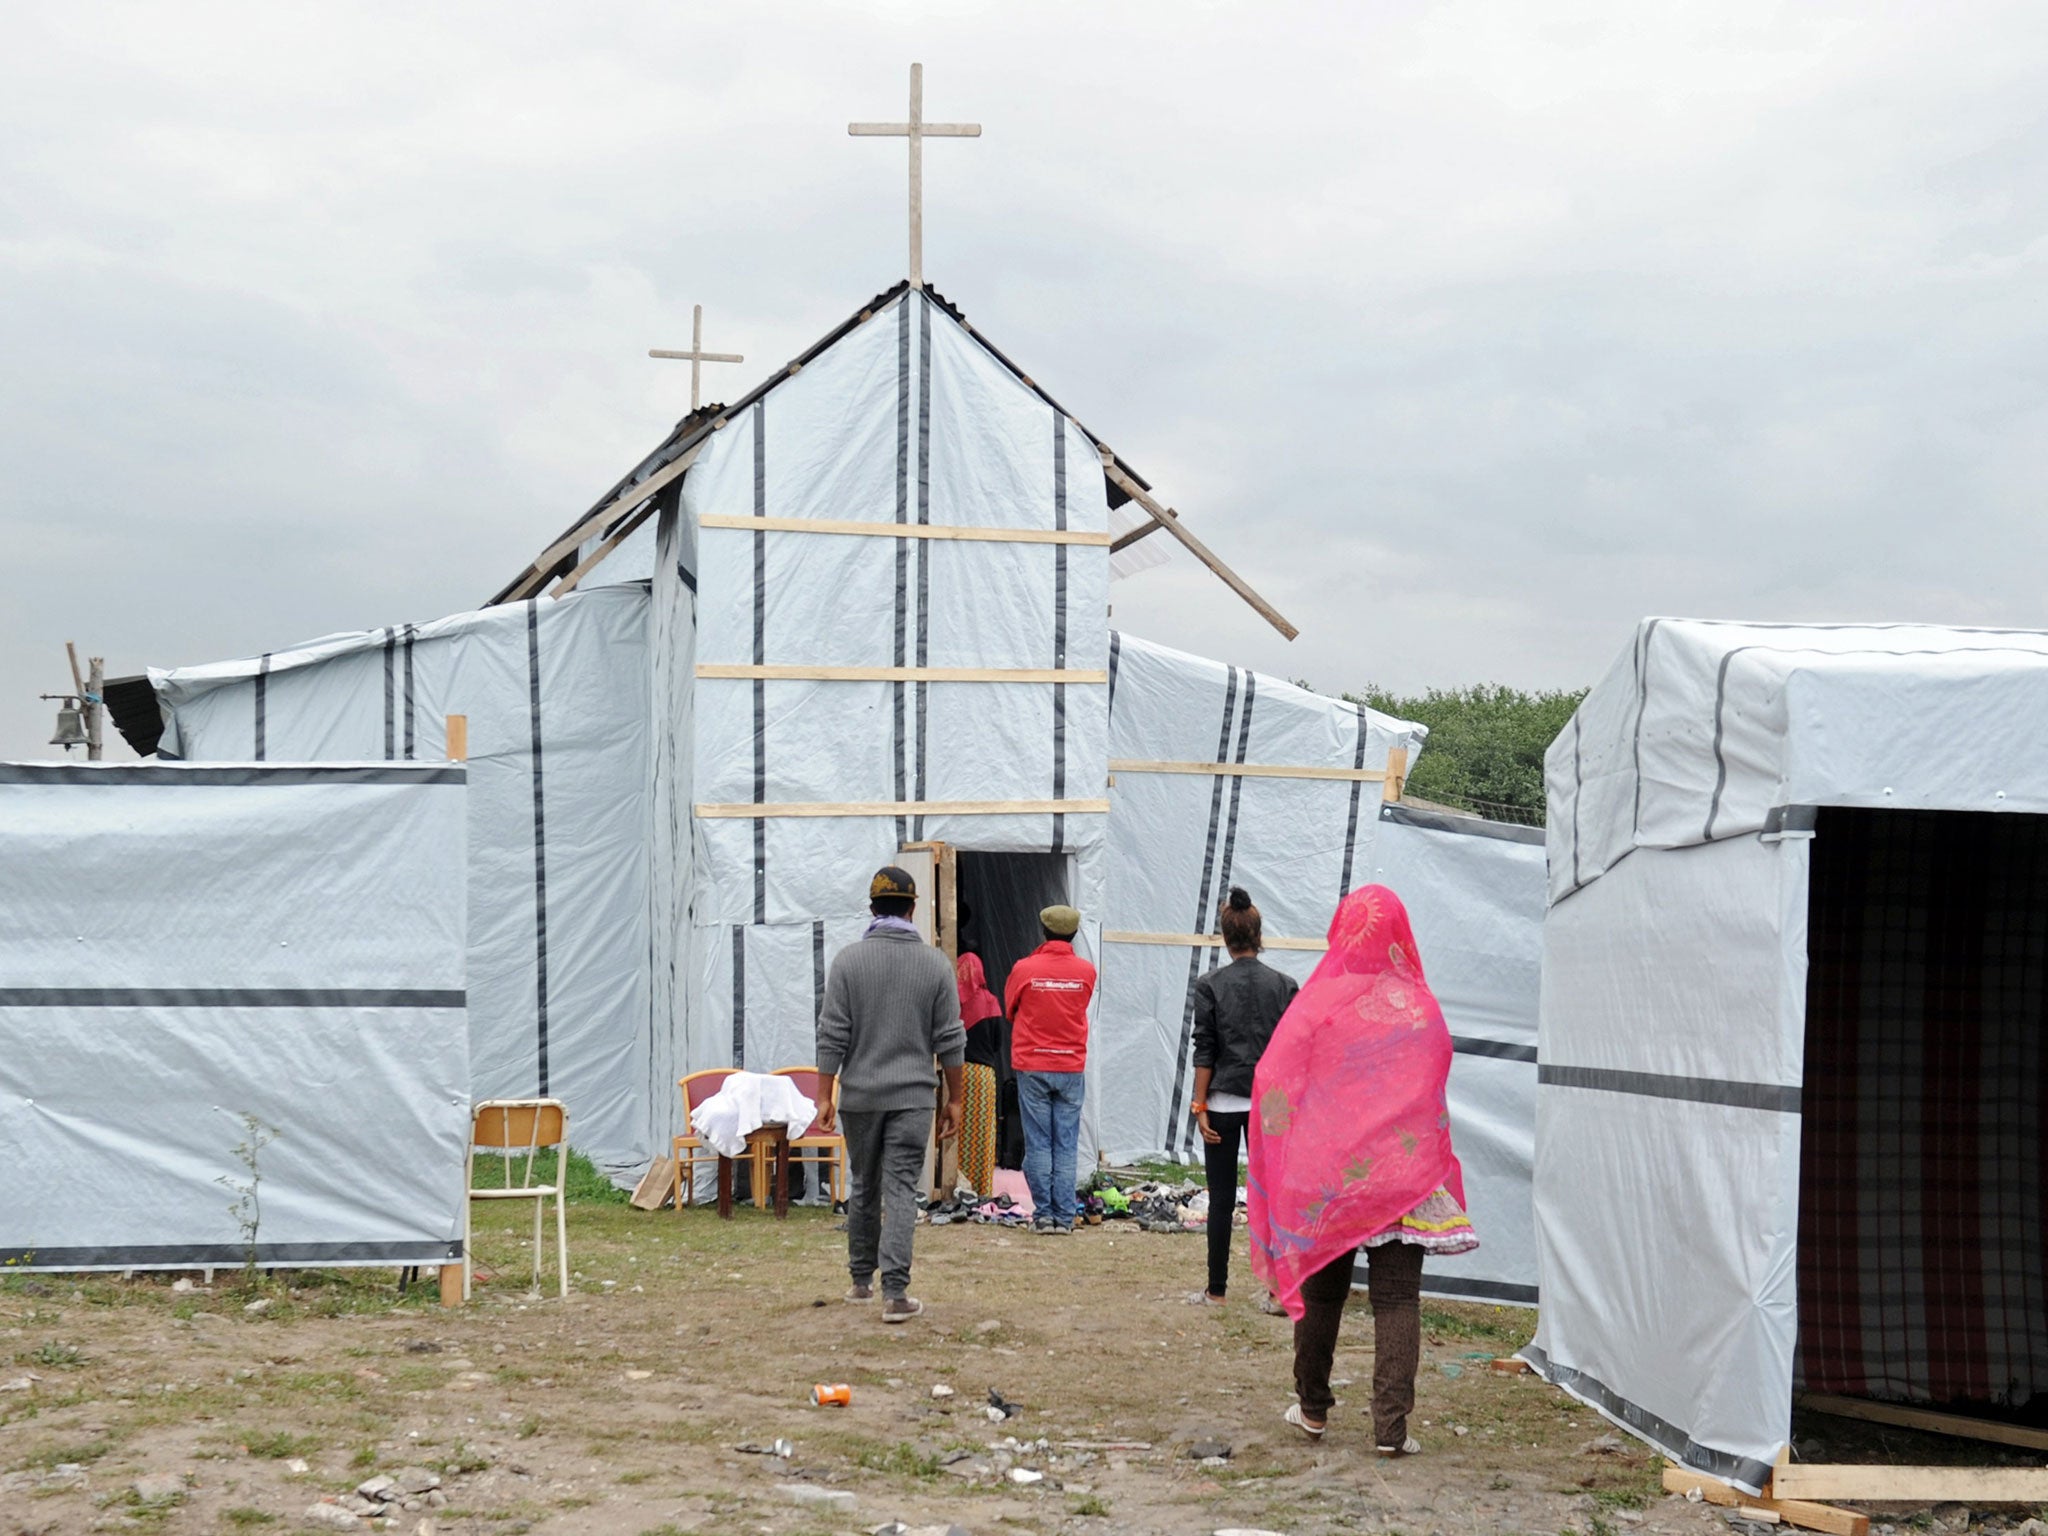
column 1219, row 1161
column 885, row 1156
column 1393, row 1273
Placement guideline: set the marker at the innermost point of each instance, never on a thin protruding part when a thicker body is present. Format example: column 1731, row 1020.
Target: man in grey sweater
column 891, row 1006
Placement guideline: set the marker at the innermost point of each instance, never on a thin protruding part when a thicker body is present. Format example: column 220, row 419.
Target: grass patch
column 1506, row 1328
column 463, row 1457
column 898, row 1460
column 243, row 1516
column 1088, row 1504
column 586, row 1185
column 58, row 1357
column 276, row 1444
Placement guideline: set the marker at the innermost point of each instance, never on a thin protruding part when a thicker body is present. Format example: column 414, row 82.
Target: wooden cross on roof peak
column 696, row 357
column 917, row 130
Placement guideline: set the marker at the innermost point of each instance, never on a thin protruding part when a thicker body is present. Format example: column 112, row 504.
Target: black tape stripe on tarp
column 1779, row 1098
column 157, row 777
column 262, row 704
column 230, row 997
column 901, row 738
column 1670, row 1438
column 760, row 659
column 229, row 1255
column 1218, row 954
column 1465, row 826
column 1187, row 1023
column 1116, row 656
column 540, row 848
column 1500, row 1050
column 924, row 546
column 817, row 968
column 410, row 714
column 739, row 995
column 1434, row 1284
column 1059, row 628
column 1357, row 791
column 390, row 694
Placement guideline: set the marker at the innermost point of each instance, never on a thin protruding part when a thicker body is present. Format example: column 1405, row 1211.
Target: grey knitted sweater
column 891, row 1005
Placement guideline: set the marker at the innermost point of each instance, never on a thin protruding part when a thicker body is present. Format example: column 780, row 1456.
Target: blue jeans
column 1050, row 1105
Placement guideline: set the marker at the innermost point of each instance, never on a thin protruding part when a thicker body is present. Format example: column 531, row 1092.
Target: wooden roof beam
column 1165, row 517
column 535, row 576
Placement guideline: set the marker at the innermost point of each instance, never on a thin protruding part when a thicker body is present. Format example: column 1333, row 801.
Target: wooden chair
column 821, row 1149
column 512, row 1127
column 690, row 1149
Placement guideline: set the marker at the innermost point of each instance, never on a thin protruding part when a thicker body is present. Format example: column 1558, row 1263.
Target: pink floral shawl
column 1349, row 1129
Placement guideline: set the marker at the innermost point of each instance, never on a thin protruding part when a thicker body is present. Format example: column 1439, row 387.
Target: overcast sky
column 1468, row 337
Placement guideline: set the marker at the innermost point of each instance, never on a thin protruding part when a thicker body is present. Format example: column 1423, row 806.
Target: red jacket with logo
column 1046, row 998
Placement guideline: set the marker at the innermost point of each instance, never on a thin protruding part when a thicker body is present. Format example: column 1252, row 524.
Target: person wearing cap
column 1047, row 998
column 891, row 1005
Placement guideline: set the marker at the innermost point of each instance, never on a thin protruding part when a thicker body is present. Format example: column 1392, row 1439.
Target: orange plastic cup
column 839, row 1396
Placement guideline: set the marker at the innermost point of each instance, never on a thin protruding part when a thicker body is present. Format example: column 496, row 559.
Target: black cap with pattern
column 891, row 881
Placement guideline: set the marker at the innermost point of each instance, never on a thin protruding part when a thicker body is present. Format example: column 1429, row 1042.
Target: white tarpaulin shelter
column 861, row 617
column 232, row 1015
column 1474, row 892
column 1786, row 994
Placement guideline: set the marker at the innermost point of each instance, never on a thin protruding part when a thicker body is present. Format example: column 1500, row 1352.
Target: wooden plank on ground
column 1959, row 1425
column 1800, row 1512
column 1916, row 1485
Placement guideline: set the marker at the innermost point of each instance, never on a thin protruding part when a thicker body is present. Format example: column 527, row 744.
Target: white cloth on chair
column 745, row 1102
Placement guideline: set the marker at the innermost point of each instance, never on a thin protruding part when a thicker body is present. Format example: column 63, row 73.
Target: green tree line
column 1486, row 743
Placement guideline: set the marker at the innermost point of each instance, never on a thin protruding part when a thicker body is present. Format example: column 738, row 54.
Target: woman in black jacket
column 1236, row 1008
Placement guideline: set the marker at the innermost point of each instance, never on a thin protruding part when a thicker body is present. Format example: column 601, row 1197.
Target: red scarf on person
column 1350, row 1130
column 976, row 1001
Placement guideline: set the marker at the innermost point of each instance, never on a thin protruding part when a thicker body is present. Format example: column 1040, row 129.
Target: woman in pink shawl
column 1350, row 1149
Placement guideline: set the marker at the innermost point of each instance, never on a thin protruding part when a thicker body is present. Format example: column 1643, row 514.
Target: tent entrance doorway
column 1924, row 1128
column 998, row 899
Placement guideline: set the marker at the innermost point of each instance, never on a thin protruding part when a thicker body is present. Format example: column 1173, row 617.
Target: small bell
column 70, row 728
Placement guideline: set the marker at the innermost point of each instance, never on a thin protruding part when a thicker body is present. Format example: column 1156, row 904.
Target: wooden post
column 95, row 711
column 1397, row 774
column 949, row 900
column 1165, row 517
column 458, row 752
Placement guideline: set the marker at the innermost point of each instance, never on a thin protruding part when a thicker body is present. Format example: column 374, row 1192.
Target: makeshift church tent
column 859, row 617
column 232, row 1015
column 1790, row 1121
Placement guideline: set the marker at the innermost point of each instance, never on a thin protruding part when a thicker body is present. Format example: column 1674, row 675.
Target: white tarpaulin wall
column 557, row 697
column 195, row 951
column 1185, row 826
column 905, row 422
column 1674, row 986
column 1474, row 891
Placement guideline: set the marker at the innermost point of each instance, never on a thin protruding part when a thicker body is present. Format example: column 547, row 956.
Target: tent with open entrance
column 1790, row 1122
column 859, row 617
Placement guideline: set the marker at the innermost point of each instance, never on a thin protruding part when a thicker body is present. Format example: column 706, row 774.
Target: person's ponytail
column 1240, row 922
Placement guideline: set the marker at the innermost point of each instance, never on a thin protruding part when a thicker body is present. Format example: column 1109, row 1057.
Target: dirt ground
column 620, row 1409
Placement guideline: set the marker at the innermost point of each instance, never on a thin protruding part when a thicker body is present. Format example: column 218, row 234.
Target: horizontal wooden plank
column 941, row 531
column 1250, row 771
column 906, row 808
column 1962, row 1426
column 1205, row 940
column 801, row 674
column 1799, row 1512
column 1917, row 1485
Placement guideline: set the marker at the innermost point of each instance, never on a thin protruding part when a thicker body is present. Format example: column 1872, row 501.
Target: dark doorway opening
column 1001, row 895
column 1923, row 1139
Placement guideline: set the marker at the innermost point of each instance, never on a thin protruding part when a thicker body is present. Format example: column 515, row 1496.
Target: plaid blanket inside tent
column 1924, row 1156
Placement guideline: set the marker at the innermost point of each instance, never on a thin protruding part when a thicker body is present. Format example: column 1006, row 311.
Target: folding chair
column 689, row 1147
column 821, row 1149
column 512, row 1127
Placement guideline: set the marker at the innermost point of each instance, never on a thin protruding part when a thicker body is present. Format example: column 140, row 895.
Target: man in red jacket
column 1047, row 999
